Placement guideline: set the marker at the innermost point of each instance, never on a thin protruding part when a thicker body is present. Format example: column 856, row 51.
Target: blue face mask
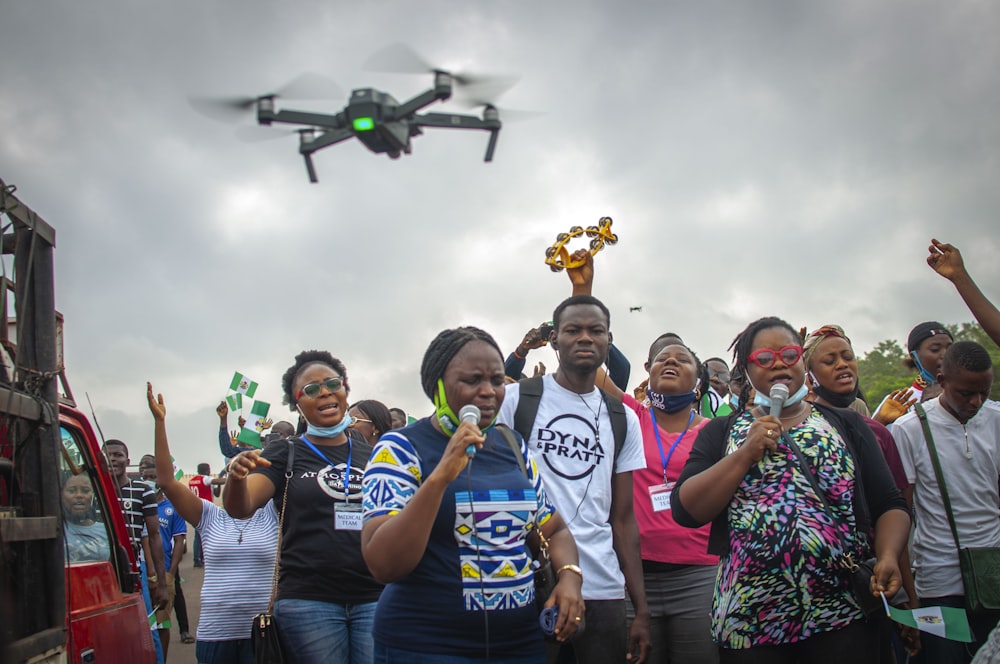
column 924, row 373
column 328, row 432
column 671, row 403
column 764, row 401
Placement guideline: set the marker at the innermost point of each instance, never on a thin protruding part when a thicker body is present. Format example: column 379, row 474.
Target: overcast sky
column 760, row 158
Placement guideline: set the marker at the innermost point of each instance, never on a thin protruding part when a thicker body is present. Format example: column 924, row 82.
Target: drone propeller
column 309, row 85
column 504, row 113
column 399, row 58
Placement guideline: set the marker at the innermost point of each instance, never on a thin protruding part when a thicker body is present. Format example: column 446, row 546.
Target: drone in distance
column 376, row 118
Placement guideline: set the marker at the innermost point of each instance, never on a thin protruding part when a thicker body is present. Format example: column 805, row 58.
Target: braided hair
column 442, row 351
column 302, row 360
column 377, row 412
column 742, row 346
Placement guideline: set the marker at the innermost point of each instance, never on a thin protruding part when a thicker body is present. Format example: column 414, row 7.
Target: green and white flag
column 178, row 473
column 235, row 401
column 250, row 433
column 943, row 621
column 243, row 385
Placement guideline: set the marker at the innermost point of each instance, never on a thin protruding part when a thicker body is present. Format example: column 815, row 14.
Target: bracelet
column 520, row 357
column 572, row 568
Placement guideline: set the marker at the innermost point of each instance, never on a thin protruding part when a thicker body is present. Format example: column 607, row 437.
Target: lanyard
column 347, row 469
column 659, row 443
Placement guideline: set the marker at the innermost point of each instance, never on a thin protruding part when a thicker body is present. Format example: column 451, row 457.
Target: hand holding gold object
column 557, row 256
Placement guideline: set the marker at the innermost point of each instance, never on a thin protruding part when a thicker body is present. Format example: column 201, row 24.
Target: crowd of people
column 712, row 514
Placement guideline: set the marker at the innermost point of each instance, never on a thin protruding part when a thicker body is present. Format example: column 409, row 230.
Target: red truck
column 68, row 575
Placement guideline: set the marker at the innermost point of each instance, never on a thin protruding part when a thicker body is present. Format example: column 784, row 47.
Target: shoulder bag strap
column 619, row 423
column 281, row 524
column 932, row 450
column 540, row 549
column 528, row 398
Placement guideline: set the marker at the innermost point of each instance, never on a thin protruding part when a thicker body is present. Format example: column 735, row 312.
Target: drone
column 382, row 124
column 636, row 309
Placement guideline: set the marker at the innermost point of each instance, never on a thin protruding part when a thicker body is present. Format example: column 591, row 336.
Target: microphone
column 779, row 392
column 470, row 413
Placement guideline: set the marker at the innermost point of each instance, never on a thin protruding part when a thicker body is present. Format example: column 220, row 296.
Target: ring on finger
column 578, row 618
column 770, row 433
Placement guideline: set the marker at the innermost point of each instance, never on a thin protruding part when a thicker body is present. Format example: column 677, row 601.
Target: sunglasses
column 765, row 357
column 311, row 390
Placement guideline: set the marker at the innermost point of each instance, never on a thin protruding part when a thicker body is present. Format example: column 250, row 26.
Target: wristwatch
column 572, row 568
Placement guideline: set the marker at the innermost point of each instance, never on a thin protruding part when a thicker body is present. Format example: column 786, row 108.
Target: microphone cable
column 479, row 561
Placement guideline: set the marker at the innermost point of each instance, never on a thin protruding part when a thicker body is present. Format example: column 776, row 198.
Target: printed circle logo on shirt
column 570, row 446
column 331, row 481
column 169, row 511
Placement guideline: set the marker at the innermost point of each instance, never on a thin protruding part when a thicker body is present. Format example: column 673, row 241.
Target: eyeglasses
column 723, row 376
column 359, row 420
column 765, row 357
column 311, row 390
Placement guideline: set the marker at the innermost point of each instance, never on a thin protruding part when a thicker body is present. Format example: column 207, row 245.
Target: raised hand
column 156, row 405
column 581, row 277
column 539, row 370
column 894, row 406
column 946, row 260
column 222, row 410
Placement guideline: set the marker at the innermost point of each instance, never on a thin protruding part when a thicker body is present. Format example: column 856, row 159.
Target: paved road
column 183, row 653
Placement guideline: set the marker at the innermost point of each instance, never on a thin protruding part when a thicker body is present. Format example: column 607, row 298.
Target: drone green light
column 364, row 124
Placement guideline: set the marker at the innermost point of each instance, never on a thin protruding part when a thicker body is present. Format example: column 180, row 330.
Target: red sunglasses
column 765, row 357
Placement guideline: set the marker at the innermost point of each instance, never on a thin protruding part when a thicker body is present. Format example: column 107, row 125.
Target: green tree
column 881, row 370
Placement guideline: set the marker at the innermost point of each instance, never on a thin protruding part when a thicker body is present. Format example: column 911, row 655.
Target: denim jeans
column 387, row 655
column 237, row 651
column 324, row 632
column 149, row 609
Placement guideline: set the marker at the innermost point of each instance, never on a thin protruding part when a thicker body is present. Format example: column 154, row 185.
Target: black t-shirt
column 319, row 562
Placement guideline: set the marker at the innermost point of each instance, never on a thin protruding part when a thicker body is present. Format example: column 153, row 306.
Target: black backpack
column 531, row 396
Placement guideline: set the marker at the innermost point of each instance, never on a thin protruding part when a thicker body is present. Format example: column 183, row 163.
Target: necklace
column 597, row 416
column 239, row 540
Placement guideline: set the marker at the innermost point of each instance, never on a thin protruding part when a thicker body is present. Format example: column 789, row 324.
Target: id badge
column 347, row 516
column 659, row 495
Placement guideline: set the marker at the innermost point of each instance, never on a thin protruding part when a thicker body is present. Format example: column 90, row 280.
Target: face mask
column 764, row 401
column 327, row 432
column 445, row 416
column 670, row 403
column 924, row 373
column 734, row 401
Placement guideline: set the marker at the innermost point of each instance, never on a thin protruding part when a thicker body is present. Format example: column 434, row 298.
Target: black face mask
column 834, row 399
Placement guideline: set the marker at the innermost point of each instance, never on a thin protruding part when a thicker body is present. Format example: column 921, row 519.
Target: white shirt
column 972, row 490
column 575, row 457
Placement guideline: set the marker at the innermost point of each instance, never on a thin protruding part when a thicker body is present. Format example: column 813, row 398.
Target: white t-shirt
column 575, row 457
column 972, row 490
column 238, row 575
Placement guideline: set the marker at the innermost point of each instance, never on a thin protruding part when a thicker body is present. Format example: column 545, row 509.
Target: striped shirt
column 138, row 500
column 239, row 567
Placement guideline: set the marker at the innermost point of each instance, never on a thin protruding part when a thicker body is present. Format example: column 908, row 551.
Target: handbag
column 859, row 573
column 980, row 566
column 544, row 575
column 264, row 632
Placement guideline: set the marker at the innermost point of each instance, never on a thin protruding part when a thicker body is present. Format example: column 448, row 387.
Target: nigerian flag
column 243, row 385
column 250, row 433
column 235, row 401
column 943, row 621
column 178, row 473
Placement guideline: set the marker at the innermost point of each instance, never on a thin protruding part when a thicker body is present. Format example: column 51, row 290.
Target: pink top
column 661, row 539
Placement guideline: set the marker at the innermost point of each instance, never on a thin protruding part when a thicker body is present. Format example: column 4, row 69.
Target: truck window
column 84, row 525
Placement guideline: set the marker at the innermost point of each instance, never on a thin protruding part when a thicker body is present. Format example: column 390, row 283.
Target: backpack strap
column 619, row 424
column 508, row 435
column 529, row 396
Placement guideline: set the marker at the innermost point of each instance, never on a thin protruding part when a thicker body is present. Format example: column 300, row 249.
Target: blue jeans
column 149, row 609
column 387, row 655
column 326, row 633
column 237, row 651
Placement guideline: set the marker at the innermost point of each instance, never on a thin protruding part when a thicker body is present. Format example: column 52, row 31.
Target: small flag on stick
column 250, row 433
column 243, row 385
column 235, row 401
column 943, row 621
column 178, row 473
